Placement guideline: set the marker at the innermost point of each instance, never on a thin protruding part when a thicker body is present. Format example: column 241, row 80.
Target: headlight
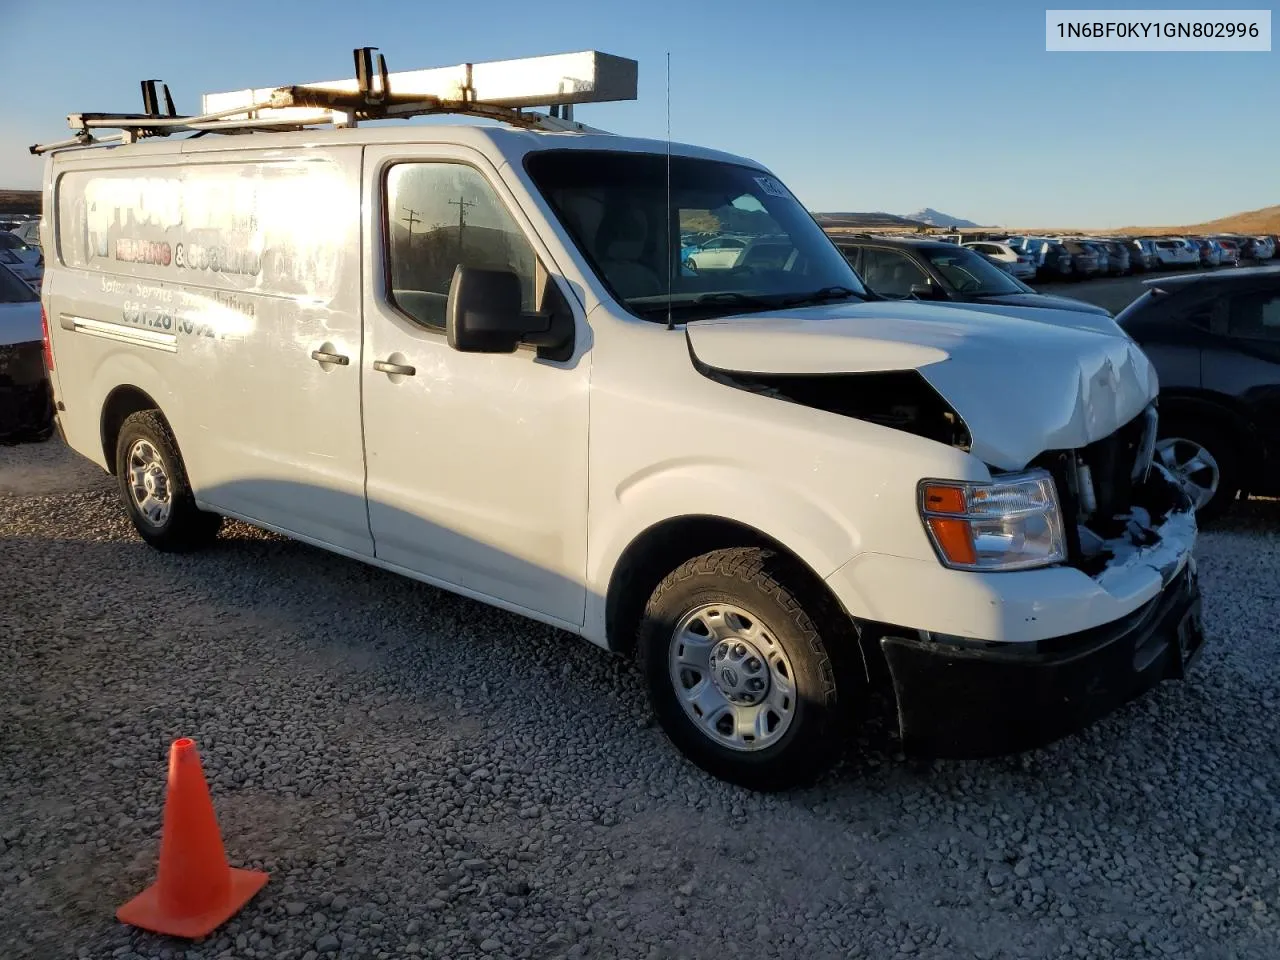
column 1012, row 523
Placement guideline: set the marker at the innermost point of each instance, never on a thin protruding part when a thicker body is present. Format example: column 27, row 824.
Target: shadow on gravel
column 1255, row 515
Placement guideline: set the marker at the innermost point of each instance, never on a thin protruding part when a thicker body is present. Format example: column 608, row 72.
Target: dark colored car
column 26, row 407
column 1055, row 262
column 1215, row 341
column 1119, row 254
column 899, row 268
column 1084, row 259
column 1142, row 257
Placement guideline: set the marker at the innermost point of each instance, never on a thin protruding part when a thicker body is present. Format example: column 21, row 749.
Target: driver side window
column 890, row 273
column 440, row 215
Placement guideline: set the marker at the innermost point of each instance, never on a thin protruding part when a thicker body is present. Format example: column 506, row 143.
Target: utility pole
column 461, row 203
column 412, row 220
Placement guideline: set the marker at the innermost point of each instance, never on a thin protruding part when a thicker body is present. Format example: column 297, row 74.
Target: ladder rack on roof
column 500, row 90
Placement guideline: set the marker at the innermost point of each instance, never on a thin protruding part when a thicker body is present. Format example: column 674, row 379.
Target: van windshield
column 732, row 240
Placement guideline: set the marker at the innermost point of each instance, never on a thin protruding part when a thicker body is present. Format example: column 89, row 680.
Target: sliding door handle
column 395, row 369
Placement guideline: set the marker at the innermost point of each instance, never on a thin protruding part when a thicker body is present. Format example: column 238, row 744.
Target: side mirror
column 483, row 313
column 924, row 291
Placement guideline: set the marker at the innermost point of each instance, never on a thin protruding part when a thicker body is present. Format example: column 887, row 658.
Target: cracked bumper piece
column 966, row 699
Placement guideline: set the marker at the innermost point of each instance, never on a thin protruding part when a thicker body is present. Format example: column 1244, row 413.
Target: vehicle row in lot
column 1082, row 257
column 1042, row 258
column 23, row 258
column 921, row 268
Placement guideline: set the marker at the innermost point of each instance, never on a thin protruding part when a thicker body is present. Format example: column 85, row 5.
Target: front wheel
column 154, row 487
column 741, row 673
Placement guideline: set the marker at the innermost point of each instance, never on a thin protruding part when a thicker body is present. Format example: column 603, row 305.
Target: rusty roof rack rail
column 501, row 90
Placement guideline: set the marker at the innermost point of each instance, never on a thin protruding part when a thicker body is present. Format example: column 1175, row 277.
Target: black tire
column 186, row 527
column 1221, row 442
column 805, row 623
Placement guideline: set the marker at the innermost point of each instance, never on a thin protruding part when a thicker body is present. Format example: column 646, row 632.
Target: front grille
column 1111, row 461
column 1114, row 464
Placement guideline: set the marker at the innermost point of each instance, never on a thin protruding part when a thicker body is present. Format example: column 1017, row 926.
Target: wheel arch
column 1220, row 409
column 121, row 403
column 664, row 546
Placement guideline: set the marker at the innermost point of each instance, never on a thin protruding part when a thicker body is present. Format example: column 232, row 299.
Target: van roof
column 511, row 143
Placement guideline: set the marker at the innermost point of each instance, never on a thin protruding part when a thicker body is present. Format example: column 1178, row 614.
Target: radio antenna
column 670, row 251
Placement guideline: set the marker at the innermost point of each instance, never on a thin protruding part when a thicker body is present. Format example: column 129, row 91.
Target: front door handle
column 323, row 356
column 395, row 369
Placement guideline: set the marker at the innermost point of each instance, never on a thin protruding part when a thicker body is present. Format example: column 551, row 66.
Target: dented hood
column 1022, row 386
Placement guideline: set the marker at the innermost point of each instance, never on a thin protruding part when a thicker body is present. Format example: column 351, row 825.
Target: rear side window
column 438, row 216
column 890, row 273
column 279, row 227
column 1255, row 316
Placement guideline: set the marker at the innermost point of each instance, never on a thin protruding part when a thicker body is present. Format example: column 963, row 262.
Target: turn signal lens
column 1012, row 523
column 954, row 539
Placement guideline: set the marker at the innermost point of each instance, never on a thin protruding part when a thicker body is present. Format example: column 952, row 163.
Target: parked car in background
column 1174, row 252
column 1142, row 255
column 1055, row 261
column 26, row 407
column 1230, row 250
column 32, row 274
column 1017, row 262
column 1210, row 255
column 1084, row 259
column 1042, row 256
column 720, row 253
column 926, row 269
column 16, row 245
column 1264, row 248
column 1103, row 254
column 1119, row 256
column 1215, row 341
column 28, row 233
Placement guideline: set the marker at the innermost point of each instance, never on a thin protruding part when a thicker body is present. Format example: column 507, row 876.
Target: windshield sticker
column 772, row 187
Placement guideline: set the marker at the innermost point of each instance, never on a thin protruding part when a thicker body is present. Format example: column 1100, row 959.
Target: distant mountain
column 862, row 220
column 935, row 218
column 1266, row 220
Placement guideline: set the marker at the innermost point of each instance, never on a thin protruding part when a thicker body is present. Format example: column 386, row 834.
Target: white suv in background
column 1021, row 265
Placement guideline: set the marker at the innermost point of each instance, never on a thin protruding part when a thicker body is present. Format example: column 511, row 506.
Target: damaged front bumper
column 959, row 697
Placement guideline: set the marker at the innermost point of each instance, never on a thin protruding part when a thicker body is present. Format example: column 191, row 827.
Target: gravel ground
column 425, row 776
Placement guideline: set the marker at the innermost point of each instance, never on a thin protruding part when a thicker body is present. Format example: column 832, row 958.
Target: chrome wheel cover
column 732, row 677
column 149, row 485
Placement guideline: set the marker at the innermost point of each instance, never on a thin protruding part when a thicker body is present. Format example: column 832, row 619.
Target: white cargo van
column 475, row 356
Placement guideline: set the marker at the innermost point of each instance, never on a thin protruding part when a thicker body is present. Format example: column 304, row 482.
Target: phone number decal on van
column 234, row 321
column 140, row 315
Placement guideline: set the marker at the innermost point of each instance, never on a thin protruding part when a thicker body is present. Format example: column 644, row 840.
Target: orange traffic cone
column 195, row 891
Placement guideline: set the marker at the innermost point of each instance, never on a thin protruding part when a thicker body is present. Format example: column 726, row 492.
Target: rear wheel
column 1203, row 458
column 154, row 487
column 741, row 673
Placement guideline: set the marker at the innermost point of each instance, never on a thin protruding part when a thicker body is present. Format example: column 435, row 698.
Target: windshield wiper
column 825, row 295
column 732, row 296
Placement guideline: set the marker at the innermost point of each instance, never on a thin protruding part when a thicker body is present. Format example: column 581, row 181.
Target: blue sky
column 857, row 106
